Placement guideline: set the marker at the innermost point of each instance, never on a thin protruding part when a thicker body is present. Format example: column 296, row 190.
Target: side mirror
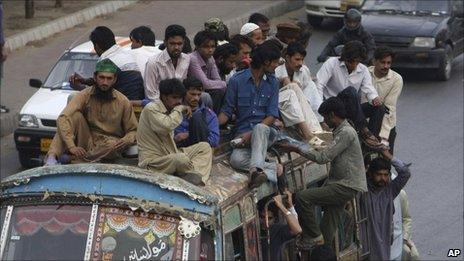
column 36, row 83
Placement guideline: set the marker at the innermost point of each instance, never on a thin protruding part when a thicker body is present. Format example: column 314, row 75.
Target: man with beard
column 170, row 63
column 353, row 30
column 202, row 125
column 155, row 138
column 98, row 123
column 378, row 202
column 226, row 57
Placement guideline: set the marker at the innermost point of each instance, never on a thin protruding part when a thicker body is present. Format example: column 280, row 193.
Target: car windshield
column 69, row 63
column 408, row 7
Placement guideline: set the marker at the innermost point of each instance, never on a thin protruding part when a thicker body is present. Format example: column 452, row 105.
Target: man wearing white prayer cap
column 253, row 32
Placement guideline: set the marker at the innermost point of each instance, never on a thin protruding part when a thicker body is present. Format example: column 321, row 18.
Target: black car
column 426, row 34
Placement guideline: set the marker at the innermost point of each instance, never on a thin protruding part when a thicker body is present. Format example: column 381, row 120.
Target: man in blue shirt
column 252, row 95
column 203, row 125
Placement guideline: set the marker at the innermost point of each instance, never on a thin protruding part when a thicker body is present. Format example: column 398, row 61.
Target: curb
column 9, row 122
column 58, row 25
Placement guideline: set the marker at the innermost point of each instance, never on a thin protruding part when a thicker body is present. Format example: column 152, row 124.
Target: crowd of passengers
column 257, row 83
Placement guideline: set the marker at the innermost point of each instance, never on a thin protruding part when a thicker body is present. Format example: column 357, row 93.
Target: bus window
column 57, row 232
column 234, row 245
column 231, row 218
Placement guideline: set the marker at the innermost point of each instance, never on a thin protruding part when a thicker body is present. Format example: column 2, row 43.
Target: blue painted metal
column 109, row 185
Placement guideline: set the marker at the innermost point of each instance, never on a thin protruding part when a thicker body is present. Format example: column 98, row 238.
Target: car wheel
column 26, row 160
column 315, row 20
column 446, row 65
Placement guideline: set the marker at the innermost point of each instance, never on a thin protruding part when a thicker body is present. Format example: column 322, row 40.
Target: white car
column 37, row 119
column 316, row 10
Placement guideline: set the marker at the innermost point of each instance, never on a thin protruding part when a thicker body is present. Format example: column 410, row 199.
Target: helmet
column 352, row 15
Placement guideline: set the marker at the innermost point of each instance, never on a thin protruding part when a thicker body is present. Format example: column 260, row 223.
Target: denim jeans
column 244, row 159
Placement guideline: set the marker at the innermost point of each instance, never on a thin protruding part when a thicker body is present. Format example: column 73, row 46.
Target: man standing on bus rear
column 346, row 177
column 97, row 123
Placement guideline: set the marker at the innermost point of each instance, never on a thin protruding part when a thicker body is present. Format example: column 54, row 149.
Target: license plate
column 45, row 144
column 343, row 7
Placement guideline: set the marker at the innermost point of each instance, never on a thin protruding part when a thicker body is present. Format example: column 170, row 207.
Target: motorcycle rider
column 352, row 30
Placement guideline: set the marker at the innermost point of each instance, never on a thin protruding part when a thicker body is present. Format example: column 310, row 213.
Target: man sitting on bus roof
column 378, row 202
column 294, row 105
column 252, row 95
column 97, row 123
column 129, row 79
column 155, row 137
column 203, row 124
column 170, row 63
column 346, row 177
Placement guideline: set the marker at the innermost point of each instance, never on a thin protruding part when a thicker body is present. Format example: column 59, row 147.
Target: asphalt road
column 430, row 135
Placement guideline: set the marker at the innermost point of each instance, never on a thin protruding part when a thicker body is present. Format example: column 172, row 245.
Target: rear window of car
column 69, row 63
column 432, row 6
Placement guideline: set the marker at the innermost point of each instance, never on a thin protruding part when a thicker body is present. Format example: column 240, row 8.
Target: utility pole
column 29, row 7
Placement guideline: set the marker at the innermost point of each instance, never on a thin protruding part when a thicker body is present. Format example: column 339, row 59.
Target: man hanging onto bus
column 378, row 202
column 346, row 177
column 279, row 232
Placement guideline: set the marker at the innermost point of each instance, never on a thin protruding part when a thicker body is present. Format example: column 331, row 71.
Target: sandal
column 371, row 141
column 305, row 243
column 257, row 178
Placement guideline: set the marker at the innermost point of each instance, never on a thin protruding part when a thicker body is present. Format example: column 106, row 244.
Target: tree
column 29, row 6
column 58, row 3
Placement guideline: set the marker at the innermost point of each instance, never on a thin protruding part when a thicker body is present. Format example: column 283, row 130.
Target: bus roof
column 223, row 184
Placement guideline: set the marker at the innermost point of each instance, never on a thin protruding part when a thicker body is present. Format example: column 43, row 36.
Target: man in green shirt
column 346, row 177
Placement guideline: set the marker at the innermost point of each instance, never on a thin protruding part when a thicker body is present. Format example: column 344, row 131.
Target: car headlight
column 424, row 42
column 27, row 120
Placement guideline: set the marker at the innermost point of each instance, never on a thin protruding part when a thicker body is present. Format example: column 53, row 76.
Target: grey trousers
column 244, row 159
column 332, row 197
